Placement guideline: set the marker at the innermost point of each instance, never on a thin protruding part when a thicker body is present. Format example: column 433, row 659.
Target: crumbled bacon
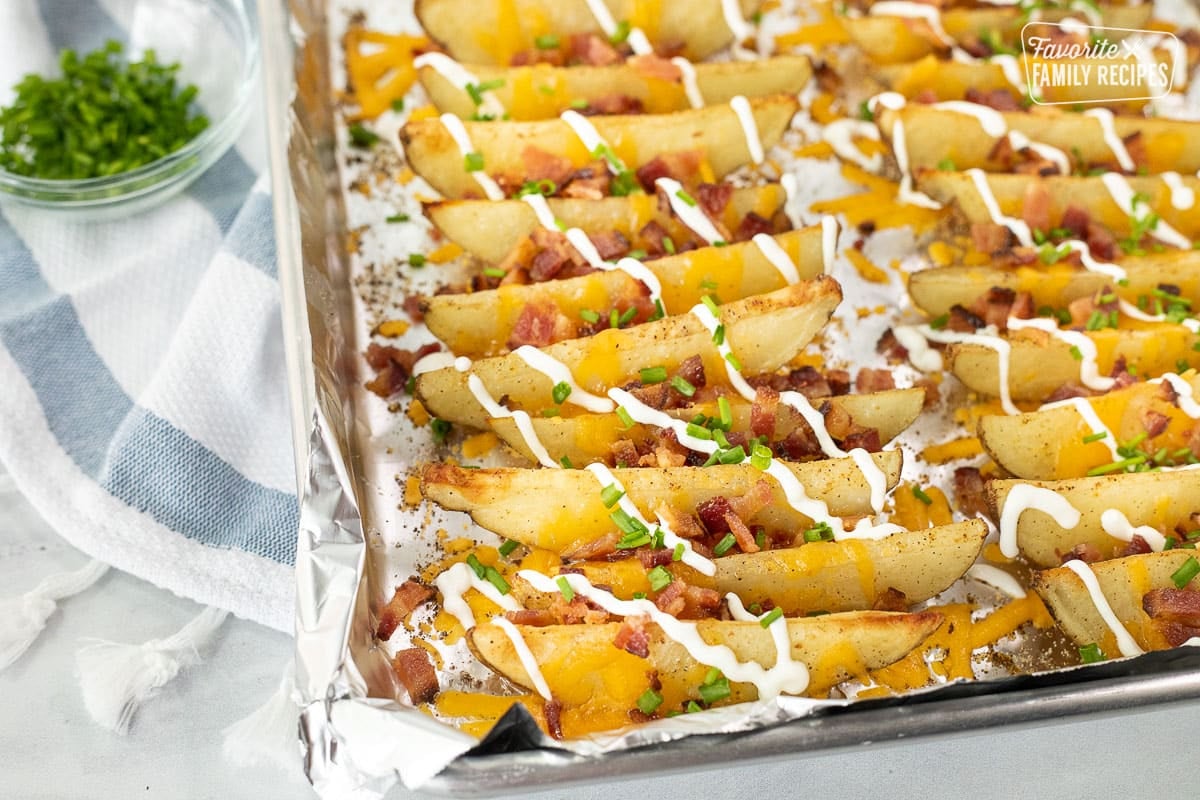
column 753, row 501
column 763, row 411
column 891, row 600
column 595, row 549
column 393, row 366
column 990, row 238
column 838, row 380
column 1101, row 241
column 1136, row 546
column 799, row 445
column 1036, row 207
column 593, row 50
column 969, row 494
column 874, row 380
column 533, row 617
column 999, row 99
column 713, row 512
column 414, row 306
column 540, row 323
column 699, row 602
column 652, row 235
column 667, row 452
column 751, row 225
column 713, row 197
column 1154, row 422
column 588, row 183
column 681, row 165
column 1174, row 605
column 671, row 600
column 653, row 66
column 1121, row 375
column 623, row 451
column 652, row 558
column 837, row 420
column 407, row 597
column 553, row 711
column 414, row 669
column 1068, row 391
column 692, row 371
column 610, row 244
column 615, row 103
column 543, row 166
column 867, row 439
column 994, row 306
column 1085, row 552
column 632, row 637
column 889, row 347
column 651, row 171
column 963, row 321
column 741, row 533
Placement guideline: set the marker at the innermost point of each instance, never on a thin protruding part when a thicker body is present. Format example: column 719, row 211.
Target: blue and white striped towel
column 143, row 403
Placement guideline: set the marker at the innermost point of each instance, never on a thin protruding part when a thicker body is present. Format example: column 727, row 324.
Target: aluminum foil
column 356, row 541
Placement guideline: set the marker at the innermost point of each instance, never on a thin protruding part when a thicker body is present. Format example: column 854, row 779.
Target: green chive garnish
column 723, row 546
column 1188, row 570
column 919, row 493
column 1094, row 437
column 1091, row 653
column 623, row 415
column 560, row 392
column 610, row 495
column 773, row 615
column 565, row 587
column 681, row 385
column 659, row 578
column 649, row 702
column 473, row 162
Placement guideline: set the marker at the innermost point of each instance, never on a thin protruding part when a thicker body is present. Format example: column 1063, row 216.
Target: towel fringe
column 23, row 618
column 269, row 734
column 116, row 677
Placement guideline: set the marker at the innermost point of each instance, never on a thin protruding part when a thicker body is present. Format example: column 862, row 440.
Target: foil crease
column 358, row 740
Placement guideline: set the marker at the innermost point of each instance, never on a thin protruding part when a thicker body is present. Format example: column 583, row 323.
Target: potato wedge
column 597, row 681
column 1087, row 193
column 847, row 575
column 1161, row 500
column 542, row 91
column 491, row 229
column 481, row 323
column 714, row 130
column 587, row 438
column 888, row 39
column 492, row 32
column 764, row 332
column 561, row 510
column 1048, row 444
column 1123, row 581
column 935, row 134
column 935, row 290
column 1040, row 364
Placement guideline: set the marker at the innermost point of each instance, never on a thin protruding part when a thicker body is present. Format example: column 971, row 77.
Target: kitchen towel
column 143, row 402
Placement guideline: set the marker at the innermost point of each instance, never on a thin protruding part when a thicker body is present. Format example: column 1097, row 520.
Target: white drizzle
column 787, row 676
column 902, row 8
column 742, row 30
column 1105, row 119
column 1084, row 409
column 432, row 362
column 458, row 133
column 591, row 138
column 997, row 578
column 1089, row 369
column 687, row 75
column 741, row 107
column 840, row 135
column 558, row 373
column 521, row 418
column 453, row 583
column 1117, row 525
column 690, row 214
column 525, row 655
column 1123, row 195
column 829, row 234
column 605, row 477
column 874, row 475
column 1012, row 72
column 895, row 101
column 709, row 320
column 994, row 125
column 1017, row 226
column 1182, row 197
column 1125, row 641
column 458, row 75
column 1025, row 497
column 1020, row 141
column 775, row 254
column 604, row 18
column 791, row 187
column 922, row 356
column 1183, row 394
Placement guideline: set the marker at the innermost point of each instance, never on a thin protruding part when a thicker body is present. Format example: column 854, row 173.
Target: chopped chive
column 659, row 578
column 649, row 701
column 819, row 533
column 632, row 540
column 623, row 415
column 363, row 137
column 713, row 458
column 725, row 411
column 709, row 285
column 1188, row 570
column 476, row 567
column 693, row 707
column 656, row 539
column 680, row 549
column 939, row 322
column 551, row 412
column 1116, row 466
column 760, row 457
column 614, row 319
column 560, row 392
column 473, row 162
column 1095, row 437
column 494, row 272
column 712, row 692
column 441, row 428
column 723, row 546
column 774, row 614
column 1169, row 542
column 508, row 546
column 1091, row 653
column 566, row 462
column 652, row 375
column 626, row 522
column 416, row 260
column 587, row 315
column 947, row 165
column 621, row 32
column 626, row 316
column 496, row 579
column 711, row 305
column 1076, row 353
column 547, row 41
column 919, row 493
column 637, row 254
column 639, row 595
column 733, row 361
column 686, row 198
column 698, row 431
column 610, row 495
column 681, row 385
column 398, row 218
column 398, row 105
column 733, row 455
column 760, row 538
column 718, row 336
column 659, row 311
column 564, row 586
column 668, row 244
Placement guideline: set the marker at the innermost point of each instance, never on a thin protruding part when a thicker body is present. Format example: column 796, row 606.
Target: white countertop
column 52, row 749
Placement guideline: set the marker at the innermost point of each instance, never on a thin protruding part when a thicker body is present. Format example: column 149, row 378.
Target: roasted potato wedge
column 481, row 323
column 561, row 510
column 492, row 32
column 1049, row 444
column 1161, row 500
column 1088, row 194
column 764, row 333
column 1124, row 582
column 934, row 134
column 847, row 575
column 1040, row 364
column 587, row 438
column 714, row 130
column 491, row 229
column 542, row 91
column 936, row 290
column 888, row 39
column 594, row 679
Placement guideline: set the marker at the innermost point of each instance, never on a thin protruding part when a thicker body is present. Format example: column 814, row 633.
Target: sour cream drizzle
column 1182, row 197
column 1025, row 497
column 690, row 214
column 997, row 578
column 591, row 138
column 775, row 254
column 994, row 125
column 1123, row 195
column 840, row 135
column 1183, row 394
column 787, row 676
column 461, row 77
column 741, row 107
column 497, row 411
column 605, row 477
column 914, row 338
column 453, row 583
column 1104, row 118
column 1117, row 525
column 525, row 655
column 895, row 101
column 829, row 234
column 732, row 12
column 558, row 373
column 604, row 18
column 902, row 8
column 458, row 132
column 1125, row 641
column 1084, row 409
column 687, row 74
column 1089, row 370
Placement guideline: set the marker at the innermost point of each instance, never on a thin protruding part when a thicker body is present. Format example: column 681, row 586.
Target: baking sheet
column 357, row 736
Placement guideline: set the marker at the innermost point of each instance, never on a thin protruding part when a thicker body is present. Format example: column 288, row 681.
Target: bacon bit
column 540, row 324
column 1068, row 391
column 990, row 238
column 932, row 395
column 700, row 602
column 890, row 348
column 763, row 411
column 1076, row 220
column 692, row 371
column 414, row 306
column 651, row 171
column 1036, row 208
column 632, row 637
column 839, row 381
column 1101, row 241
column 654, row 66
column 891, row 600
column 999, row 99
column 543, row 166
column 837, row 420
column 809, row 382
column 1174, row 605
column 753, row 501
column 969, row 493
column 714, row 197
column 963, row 321
column 589, row 183
column 682, row 166
column 685, row 525
column 668, row 452
column 651, row 236
column 547, row 264
column 407, row 597
column 610, row 244
column 1085, row 552
column 1154, row 422
column 1168, row 393
column 393, row 366
column 624, row 451
column 874, row 380
column 671, row 600
column 741, row 533
column 751, row 225
column 713, row 513
column 799, row 445
column 414, row 669
column 1022, row 307
column 553, row 711
column 1002, row 152
column 595, row 549
column 613, row 104
column 1175, row 633
column 994, row 306
column 1120, row 373
column 591, row 49
column 533, row 617
column 1136, row 546
column 868, row 439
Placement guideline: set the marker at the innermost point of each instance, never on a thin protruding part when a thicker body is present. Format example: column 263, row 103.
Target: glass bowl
column 215, row 42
